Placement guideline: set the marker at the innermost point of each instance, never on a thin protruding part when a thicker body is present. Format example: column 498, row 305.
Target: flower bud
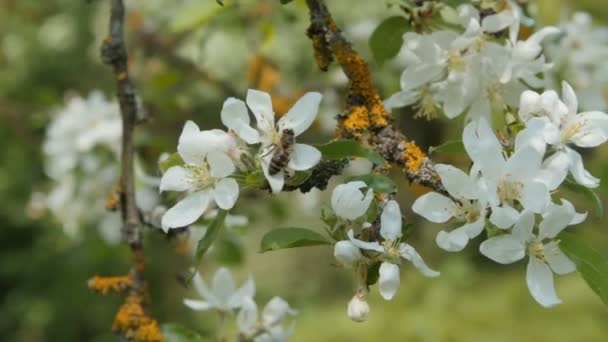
column 346, row 253
column 358, row 309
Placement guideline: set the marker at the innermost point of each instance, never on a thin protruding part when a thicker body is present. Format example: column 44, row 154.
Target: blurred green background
column 187, row 57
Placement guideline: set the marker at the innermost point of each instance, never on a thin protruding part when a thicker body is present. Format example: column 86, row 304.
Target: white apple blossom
column 560, row 125
column 348, row 202
column 223, row 296
column 505, row 183
column 269, row 326
column 464, row 206
column 298, row 118
column 347, row 253
column 392, row 251
column 358, row 309
column 203, row 176
column 542, row 249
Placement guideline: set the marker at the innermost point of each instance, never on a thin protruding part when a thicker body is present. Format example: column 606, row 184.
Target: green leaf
column 173, row 160
column 328, row 216
column 285, row 2
column 387, row 39
column 380, row 184
column 298, row 178
column 373, row 273
column 340, row 149
column 591, row 195
column 592, row 266
column 195, row 15
column 453, row 146
column 282, row 238
column 255, row 179
column 372, row 212
column 406, row 230
column 211, row 235
column 175, row 332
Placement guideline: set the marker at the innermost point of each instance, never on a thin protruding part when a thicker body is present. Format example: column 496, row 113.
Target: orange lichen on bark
column 413, row 156
column 132, row 321
column 107, row 284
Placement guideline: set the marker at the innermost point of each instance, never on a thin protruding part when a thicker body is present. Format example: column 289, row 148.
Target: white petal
column 198, row 305
column 372, row 246
column 569, row 97
column 409, row 253
column 302, row 114
column 242, row 294
column 535, row 196
column 276, row 181
column 401, row 99
column 483, row 147
column 358, row 309
column 390, row 221
column 540, row 283
column 260, row 104
column 524, row 164
column 247, row 317
column 190, row 146
column 529, row 105
column 175, row 179
column 556, row 219
column 557, row 260
column 347, row 253
column 348, row 201
column 225, row 193
column 534, row 135
column 388, row 282
column 223, row 286
column 578, row 171
column 456, row 182
column 592, row 129
column 201, row 287
column 235, row 117
column 275, row 311
column 304, row 157
column 186, row 211
column 497, row 22
column 434, row 207
column 554, row 170
column 220, row 164
column 453, row 241
column 504, row 249
column 523, row 228
column 504, row 217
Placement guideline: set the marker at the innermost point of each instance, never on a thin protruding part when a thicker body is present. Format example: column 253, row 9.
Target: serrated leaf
column 380, row 184
column 340, row 149
column 592, row 266
column 282, row 238
column 174, row 332
column 173, row 160
column 453, row 146
column 193, row 16
column 210, row 235
column 591, row 195
column 387, row 39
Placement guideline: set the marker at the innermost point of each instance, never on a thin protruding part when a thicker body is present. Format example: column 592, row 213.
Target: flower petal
column 275, row 311
column 556, row 218
column 554, row 170
column 225, row 193
column 504, row 217
column 497, row 22
column 198, row 305
column 388, row 281
column 453, row 241
column 578, row 171
column 223, row 286
column 529, row 105
column 260, row 104
column 242, row 294
column 186, row 211
column 372, row 246
column 535, row 196
column 201, row 287
column 591, row 127
column 220, row 165
column 524, row 164
column 434, row 207
column 390, row 221
column 247, row 317
column 348, row 202
column 409, row 253
column 557, row 260
column 302, row 114
column 540, row 283
column 235, row 117
column 304, row 157
column 569, row 97
column 456, row 182
column 347, row 253
column 504, row 249
column 175, row 179
column 276, row 181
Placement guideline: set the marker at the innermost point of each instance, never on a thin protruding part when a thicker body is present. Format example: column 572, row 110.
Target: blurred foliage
column 187, row 57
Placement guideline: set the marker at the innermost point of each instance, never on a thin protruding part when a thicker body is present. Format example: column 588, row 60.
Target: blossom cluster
column 213, row 158
column 225, row 298
column 470, row 71
column 512, row 184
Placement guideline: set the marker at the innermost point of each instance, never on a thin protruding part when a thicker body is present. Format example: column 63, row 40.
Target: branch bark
column 365, row 117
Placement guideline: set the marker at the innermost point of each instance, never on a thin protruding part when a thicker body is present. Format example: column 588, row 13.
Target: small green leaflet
column 453, row 146
column 592, row 266
column 572, row 185
column 340, row 149
column 175, row 332
column 285, row 2
column 387, row 39
column 194, row 15
column 281, row 238
column 211, row 235
column 381, row 184
column 173, row 160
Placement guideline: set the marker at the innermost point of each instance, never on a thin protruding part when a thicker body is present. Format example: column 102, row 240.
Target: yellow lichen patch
column 357, row 120
column 413, row 156
column 107, row 284
column 134, row 323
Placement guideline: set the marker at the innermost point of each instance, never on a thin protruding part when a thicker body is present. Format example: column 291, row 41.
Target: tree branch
column 365, row 117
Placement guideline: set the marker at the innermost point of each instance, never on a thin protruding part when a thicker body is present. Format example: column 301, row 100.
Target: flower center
column 201, row 178
column 537, row 250
column 456, row 62
column 428, row 106
column 468, row 212
column 570, row 130
column 509, row 190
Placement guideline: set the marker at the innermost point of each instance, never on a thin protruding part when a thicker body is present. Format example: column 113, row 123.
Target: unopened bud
column 358, row 309
column 346, row 253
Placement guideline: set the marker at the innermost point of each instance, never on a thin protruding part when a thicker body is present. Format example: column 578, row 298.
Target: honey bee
column 282, row 152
